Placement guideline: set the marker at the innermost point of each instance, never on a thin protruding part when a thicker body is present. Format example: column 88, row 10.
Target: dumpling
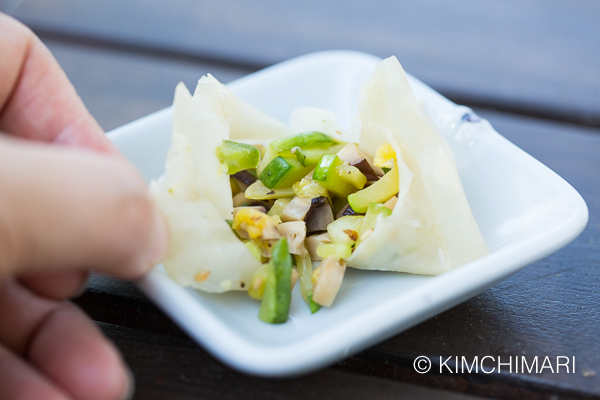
column 431, row 229
column 194, row 193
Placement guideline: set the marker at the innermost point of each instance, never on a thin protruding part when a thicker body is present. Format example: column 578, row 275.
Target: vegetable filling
column 302, row 208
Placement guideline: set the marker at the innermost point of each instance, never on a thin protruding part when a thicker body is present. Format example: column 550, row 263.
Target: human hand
column 69, row 203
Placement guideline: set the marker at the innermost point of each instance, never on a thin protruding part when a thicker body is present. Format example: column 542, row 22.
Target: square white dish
column 525, row 212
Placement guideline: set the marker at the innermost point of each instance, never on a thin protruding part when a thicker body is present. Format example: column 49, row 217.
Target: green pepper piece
column 305, row 270
column 275, row 304
column 301, row 140
column 378, row 192
column 326, row 175
column 283, row 172
column 238, row 156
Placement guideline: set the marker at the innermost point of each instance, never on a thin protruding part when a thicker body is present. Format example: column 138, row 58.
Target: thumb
column 63, row 208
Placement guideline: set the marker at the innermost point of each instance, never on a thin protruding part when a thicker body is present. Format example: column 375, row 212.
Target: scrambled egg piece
column 385, row 156
column 256, row 224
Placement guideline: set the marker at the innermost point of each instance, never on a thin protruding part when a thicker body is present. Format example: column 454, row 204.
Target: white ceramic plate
column 524, row 210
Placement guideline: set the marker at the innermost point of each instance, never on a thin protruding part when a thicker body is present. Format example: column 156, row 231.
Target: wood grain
column 535, row 57
column 175, row 368
column 118, row 87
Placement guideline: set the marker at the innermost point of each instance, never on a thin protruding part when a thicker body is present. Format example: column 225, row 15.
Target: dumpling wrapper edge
column 194, row 194
column 431, row 229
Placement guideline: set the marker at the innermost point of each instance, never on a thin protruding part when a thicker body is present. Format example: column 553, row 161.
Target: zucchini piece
column 378, row 192
column 254, row 249
column 305, row 139
column 345, row 230
column 238, row 156
column 352, row 175
column 259, row 281
column 305, row 271
column 258, row 191
column 311, row 156
column 283, row 172
column 326, row 175
column 279, row 206
column 269, row 155
column 275, row 304
column 337, row 250
column 310, row 189
column 370, row 218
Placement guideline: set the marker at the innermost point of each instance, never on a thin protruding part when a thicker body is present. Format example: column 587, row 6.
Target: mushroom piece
column 295, row 232
column 329, row 277
column 359, row 159
column 240, row 199
column 244, row 177
column 319, row 215
column 296, row 209
column 346, row 210
column 312, row 242
column 367, row 170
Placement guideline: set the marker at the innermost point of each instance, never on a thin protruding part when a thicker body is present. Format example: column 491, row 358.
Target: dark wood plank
column 118, row 87
column 175, row 368
column 536, row 57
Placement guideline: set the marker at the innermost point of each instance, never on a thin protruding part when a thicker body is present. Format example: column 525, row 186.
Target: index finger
column 37, row 101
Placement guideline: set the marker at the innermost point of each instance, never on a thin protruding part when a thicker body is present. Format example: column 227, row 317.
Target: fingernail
column 129, row 385
column 159, row 242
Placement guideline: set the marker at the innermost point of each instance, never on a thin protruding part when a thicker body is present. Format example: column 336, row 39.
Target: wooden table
column 531, row 67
